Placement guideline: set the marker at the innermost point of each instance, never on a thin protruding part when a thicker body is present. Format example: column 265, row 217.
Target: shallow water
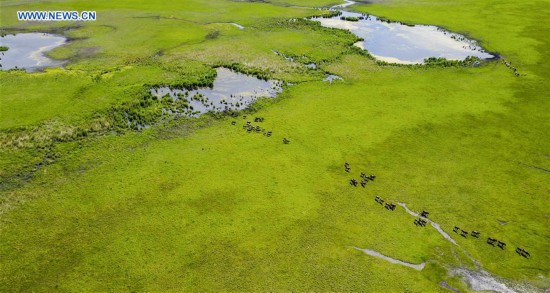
column 391, row 259
column 394, row 42
column 479, row 280
column 331, row 77
column 311, row 66
column 231, row 91
column 434, row 224
column 483, row 281
column 27, row 50
column 238, row 25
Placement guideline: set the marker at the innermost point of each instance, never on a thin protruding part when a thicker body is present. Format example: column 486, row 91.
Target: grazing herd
column 250, row 128
column 387, row 206
column 491, row 241
column 421, row 221
column 364, row 178
column 509, row 65
column 523, row 252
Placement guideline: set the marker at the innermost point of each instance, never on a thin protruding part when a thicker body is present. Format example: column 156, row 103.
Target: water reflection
column 231, row 91
column 26, row 51
column 399, row 43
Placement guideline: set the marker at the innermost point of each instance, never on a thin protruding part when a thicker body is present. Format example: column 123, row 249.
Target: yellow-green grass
column 204, row 205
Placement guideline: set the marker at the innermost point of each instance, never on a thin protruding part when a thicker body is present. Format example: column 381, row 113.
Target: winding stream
column 479, row 280
column 434, row 224
column 377, row 254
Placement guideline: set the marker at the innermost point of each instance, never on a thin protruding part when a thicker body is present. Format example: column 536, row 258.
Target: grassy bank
column 204, row 205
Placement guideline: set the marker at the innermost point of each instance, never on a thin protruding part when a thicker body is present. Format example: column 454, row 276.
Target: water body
column 288, row 58
column 26, row 51
column 311, row 66
column 392, row 260
column 482, row 281
column 331, row 77
column 479, row 280
column 434, row 224
column 238, row 25
column 231, row 91
column 395, row 42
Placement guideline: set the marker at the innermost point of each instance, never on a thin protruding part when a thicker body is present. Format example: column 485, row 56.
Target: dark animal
column 379, row 200
column 268, row 134
column 523, row 252
column 244, row 116
column 286, row 141
column 363, row 183
column 363, row 175
column 455, row 229
column 463, row 233
column 353, row 182
column 424, row 214
column 234, row 123
column 390, row 206
column 475, row 234
column 491, row 241
column 420, row 222
column 501, row 245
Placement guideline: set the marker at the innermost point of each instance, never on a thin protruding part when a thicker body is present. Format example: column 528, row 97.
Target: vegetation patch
column 102, row 189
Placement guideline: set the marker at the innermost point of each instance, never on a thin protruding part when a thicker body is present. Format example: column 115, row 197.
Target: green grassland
column 89, row 204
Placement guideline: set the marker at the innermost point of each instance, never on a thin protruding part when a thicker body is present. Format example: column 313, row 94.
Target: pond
column 26, row 51
column 231, row 91
column 331, row 78
column 395, row 42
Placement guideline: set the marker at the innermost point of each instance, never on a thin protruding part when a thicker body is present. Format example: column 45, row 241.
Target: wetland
column 27, row 51
column 200, row 145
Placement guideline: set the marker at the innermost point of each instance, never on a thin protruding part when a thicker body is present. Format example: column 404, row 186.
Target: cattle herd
column 421, row 221
column 251, row 128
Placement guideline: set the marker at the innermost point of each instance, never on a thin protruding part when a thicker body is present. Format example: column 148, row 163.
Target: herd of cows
column 421, row 220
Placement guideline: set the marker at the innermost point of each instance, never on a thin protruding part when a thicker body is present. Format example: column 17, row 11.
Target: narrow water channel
column 391, row 259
